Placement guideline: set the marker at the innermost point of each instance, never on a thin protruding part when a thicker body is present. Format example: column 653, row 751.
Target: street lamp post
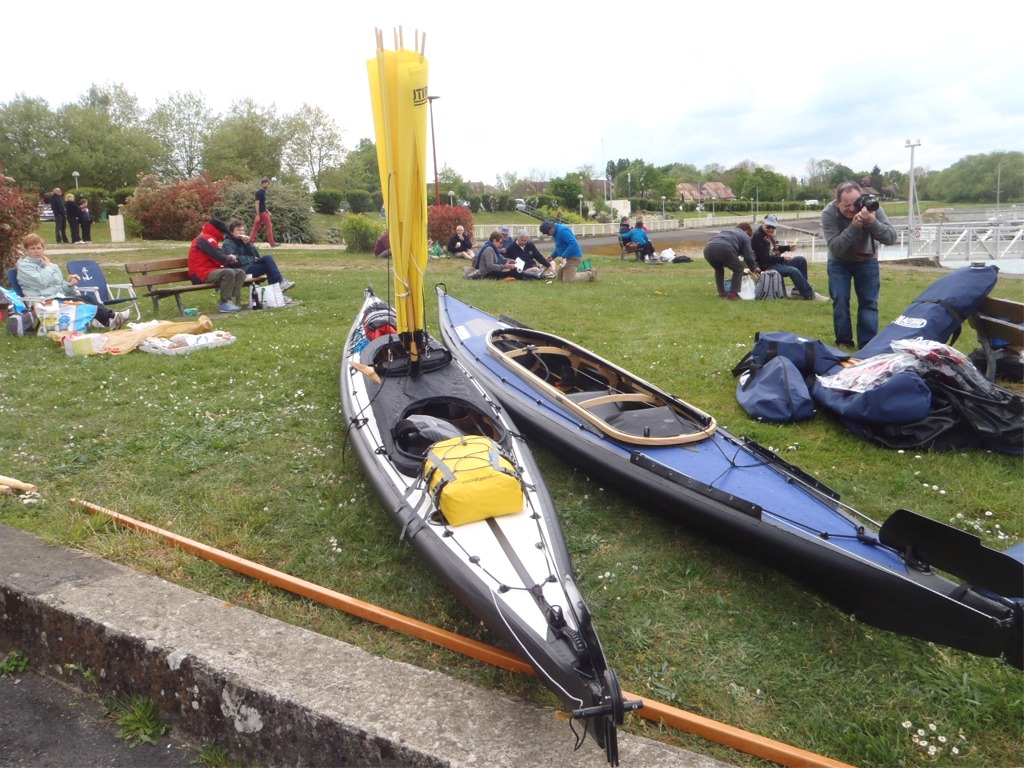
column 75, row 174
column 662, row 206
column 451, row 198
column 913, row 194
column 433, row 143
column 581, row 205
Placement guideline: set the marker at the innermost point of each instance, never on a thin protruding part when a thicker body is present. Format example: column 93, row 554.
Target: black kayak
column 453, row 473
column 655, row 446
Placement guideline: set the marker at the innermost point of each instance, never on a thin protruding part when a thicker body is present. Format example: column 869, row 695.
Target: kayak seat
column 634, row 413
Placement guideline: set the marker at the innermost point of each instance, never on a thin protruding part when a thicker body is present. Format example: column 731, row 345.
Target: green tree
column 248, row 143
column 980, row 179
column 181, row 124
column 313, row 144
column 113, row 99
column 566, row 190
column 106, row 153
column 358, row 171
column 29, row 143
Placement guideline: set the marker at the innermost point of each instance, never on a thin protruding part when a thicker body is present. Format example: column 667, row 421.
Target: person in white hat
column 769, row 255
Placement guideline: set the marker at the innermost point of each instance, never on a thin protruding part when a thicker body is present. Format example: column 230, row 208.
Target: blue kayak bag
column 809, row 355
column 902, row 399
column 775, row 392
column 940, row 310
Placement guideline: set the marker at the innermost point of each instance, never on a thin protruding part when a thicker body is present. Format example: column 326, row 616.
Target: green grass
column 244, row 448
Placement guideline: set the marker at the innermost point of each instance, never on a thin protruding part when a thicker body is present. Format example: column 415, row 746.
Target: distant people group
column 69, row 214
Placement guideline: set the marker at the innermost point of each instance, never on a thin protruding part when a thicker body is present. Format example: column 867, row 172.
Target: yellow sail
column 398, row 92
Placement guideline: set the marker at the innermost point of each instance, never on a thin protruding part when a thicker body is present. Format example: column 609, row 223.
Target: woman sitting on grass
column 41, row 279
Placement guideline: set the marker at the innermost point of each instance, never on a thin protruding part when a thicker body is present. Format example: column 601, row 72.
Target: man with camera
column 854, row 226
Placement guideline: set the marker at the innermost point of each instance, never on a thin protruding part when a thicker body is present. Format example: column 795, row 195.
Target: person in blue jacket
column 567, row 248
column 639, row 236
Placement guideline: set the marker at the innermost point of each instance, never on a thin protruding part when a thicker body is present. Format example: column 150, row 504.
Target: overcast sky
column 542, row 88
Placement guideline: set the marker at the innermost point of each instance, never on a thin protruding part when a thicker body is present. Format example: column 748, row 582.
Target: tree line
column 111, row 142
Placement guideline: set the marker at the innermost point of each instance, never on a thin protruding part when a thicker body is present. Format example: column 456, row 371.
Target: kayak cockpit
column 606, row 397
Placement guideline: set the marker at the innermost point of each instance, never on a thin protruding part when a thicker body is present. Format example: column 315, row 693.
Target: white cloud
column 548, row 87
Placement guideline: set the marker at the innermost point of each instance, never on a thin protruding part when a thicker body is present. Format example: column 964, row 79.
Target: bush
column 18, row 216
column 360, row 233
column 359, row 201
column 443, row 219
column 117, row 199
column 327, row 201
column 288, row 206
column 173, row 211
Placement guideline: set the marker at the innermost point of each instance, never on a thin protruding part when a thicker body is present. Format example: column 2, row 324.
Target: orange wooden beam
column 655, row 711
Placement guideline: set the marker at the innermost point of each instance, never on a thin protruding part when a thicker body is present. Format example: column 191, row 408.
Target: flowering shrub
column 443, row 219
column 18, row 217
column 175, row 211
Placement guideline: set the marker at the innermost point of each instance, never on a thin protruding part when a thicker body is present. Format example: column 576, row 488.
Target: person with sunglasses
column 769, row 255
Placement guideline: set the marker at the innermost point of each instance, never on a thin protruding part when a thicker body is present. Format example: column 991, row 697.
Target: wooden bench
column 628, row 248
column 169, row 277
column 999, row 320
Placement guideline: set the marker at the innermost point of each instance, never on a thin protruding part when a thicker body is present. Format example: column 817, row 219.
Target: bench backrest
column 159, row 272
column 1001, row 319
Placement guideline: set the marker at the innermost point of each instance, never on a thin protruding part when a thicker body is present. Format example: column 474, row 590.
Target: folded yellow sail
column 398, row 92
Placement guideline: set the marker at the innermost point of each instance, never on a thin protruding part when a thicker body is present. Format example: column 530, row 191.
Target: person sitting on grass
column 207, row 263
column 489, row 261
column 534, row 262
column 41, row 279
column 382, row 248
column 237, row 244
column 460, row 244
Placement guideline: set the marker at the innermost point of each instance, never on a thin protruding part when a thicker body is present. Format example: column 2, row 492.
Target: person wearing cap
column 730, row 249
column 768, row 253
column 567, row 248
column 506, row 240
column 208, row 263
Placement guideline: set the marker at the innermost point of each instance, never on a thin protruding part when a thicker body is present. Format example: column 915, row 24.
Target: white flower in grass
column 942, row 739
column 932, row 727
column 954, row 750
column 920, row 731
column 907, row 724
column 933, row 750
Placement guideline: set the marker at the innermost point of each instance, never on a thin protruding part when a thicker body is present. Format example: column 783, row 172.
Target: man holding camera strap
column 854, row 226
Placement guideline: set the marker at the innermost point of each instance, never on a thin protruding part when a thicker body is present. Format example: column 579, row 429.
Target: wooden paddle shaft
column 10, row 482
column 657, row 712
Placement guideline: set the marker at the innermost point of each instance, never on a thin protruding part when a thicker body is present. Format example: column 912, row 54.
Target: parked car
column 520, row 204
column 45, row 212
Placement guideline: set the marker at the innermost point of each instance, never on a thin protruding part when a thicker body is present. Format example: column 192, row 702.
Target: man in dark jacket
column 768, row 253
column 60, row 217
column 71, row 211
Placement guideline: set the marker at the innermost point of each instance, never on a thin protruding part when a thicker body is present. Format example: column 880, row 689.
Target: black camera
column 866, row 201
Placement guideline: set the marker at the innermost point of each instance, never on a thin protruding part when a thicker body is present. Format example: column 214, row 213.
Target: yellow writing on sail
column 398, row 92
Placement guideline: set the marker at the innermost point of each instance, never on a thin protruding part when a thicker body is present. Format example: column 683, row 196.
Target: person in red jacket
column 207, row 263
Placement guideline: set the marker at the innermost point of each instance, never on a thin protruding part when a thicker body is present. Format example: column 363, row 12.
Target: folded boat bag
column 939, row 312
column 775, row 392
column 470, row 479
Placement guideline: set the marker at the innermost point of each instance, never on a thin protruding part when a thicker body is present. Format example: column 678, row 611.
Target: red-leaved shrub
column 174, row 211
column 19, row 212
column 443, row 219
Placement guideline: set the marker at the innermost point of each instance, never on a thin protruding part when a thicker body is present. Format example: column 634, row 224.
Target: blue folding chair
column 12, row 278
column 93, row 279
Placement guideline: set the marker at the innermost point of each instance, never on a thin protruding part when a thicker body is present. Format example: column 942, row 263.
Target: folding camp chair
column 93, row 279
column 12, row 278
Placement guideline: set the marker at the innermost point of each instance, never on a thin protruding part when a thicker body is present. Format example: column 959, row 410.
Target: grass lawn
column 244, row 448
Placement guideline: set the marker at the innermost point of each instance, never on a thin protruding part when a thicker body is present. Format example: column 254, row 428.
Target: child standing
column 85, row 219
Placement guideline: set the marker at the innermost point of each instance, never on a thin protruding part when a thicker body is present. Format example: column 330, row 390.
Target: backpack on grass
column 770, row 286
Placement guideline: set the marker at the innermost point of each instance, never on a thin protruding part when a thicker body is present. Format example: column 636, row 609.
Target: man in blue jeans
column 854, row 233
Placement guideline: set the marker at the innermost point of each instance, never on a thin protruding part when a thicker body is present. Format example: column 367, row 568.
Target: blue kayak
column 654, row 446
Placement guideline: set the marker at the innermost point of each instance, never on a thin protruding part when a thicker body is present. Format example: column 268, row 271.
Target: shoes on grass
column 227, row 306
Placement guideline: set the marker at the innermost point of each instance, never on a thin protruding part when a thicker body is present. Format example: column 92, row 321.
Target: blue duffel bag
column 902, row 399
column 809, row 355
column 776, row 392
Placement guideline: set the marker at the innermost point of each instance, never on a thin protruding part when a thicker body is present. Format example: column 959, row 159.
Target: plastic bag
column 748, row 288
